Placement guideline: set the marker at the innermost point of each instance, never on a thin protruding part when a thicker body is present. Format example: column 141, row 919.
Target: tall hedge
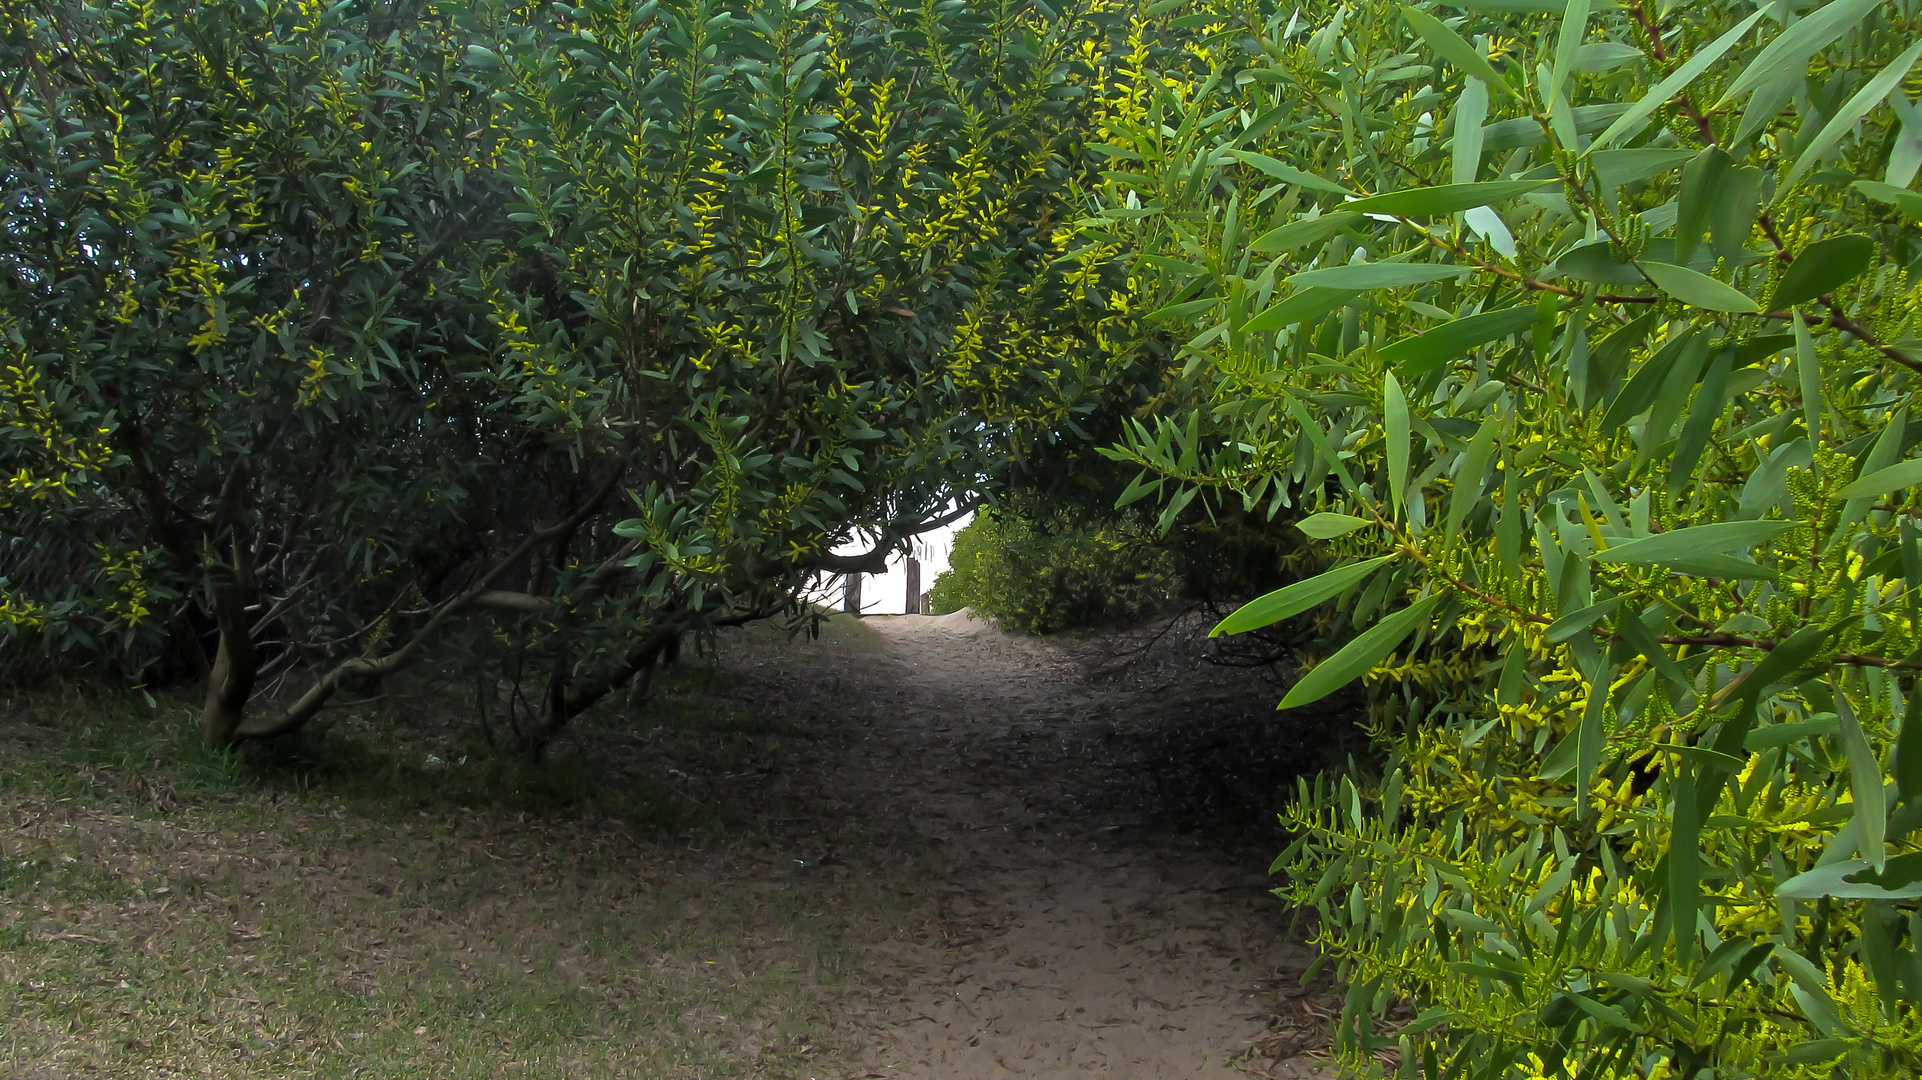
column 1586, row 338
column 524, row 336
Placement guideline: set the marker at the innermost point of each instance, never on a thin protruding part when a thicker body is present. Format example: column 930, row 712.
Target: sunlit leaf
column 1416, row 355
column 1453, row 49
column 1301, row 234
column 1297, row 598
column 1395, row 425
column 1288, row 173
column 1444, row 198
column 1823, row 267
column 1327, row 526
column 1850, row 114
column 1717, row 538
column 1360, row 276
column 1632, row 120
column 1352, row 660
column 1697, row 289
column 1303, row 304
column 1865, row 784
column 1786, row 57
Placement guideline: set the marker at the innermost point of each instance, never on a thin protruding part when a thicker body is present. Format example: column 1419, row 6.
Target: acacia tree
column 1585, row 338
column 548, row 332
column 235, row 240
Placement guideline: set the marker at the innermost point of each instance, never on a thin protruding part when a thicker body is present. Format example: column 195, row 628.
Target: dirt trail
column 1103, row 911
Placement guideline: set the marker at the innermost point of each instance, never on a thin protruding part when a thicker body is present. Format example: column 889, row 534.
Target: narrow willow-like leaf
column 1865, row 784
column 1632, row 120
column 1444, row 198
column 1301, row 234
column 1595, row 262
column 1355, row 658
column 1569, row 43
column 1288, row 173
column 1733, row 218
column 1848, row 116
column 1904, row 200
column 1576, row 621
column 1508, row 528
column 1908, row 752
column 1327, row 526
column 1684, row 893
column 1614, row 168
column 1846, row 880
column 1704, row 186
column 1786, row 57
column 1711, row 401
column 1294, row 599
column 1470, row 474
column 1718, row 538
column 1471, row 110
column 1780, row 663
column 1642, row 387
column 1452, row 48
column 1300, row 306
column 1883, row 454
column 1395, row 426
column 1905, row 157
column 1696, row 288
column 1636, row 633
column 1823, row 267
column 1184, row 310
column 1589, row 738
column 1378, row 275
column 1883, row 481
column 1421, row 353
column 1808, row 372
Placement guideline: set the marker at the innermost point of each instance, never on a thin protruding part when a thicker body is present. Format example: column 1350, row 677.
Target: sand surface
column 1103, row 809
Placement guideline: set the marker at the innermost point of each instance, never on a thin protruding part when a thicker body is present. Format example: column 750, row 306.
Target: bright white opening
column 887, row 594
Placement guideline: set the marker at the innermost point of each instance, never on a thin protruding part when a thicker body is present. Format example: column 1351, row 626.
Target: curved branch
column 876, row 561
column 310, row 703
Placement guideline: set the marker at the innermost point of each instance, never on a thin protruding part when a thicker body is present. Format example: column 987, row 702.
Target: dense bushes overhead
column 1587, row 340
column 1582, row 339
column 327, row 327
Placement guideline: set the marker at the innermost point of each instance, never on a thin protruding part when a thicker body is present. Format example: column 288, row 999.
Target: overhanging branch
column 876, row 561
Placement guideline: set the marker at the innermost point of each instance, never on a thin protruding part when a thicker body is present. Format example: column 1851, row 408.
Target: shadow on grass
column 383, row 895
column 424, row 752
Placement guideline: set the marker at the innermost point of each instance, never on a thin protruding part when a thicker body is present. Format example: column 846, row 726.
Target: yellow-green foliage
column 321, row 324
column 1587, row 339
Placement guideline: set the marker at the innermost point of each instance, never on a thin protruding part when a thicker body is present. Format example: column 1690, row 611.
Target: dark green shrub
column 1039, row 570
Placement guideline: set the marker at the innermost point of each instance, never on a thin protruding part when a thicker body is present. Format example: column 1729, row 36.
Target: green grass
column 373, row 900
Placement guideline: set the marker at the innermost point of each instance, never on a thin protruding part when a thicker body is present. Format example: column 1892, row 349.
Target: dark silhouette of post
column 851, row 595
column 914, row 587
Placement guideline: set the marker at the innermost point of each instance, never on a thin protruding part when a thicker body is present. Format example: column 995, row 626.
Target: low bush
column 1039, row 571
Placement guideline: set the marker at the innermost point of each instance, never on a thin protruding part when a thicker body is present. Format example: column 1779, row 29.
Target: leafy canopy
column 530, row 337
column 1585, row 338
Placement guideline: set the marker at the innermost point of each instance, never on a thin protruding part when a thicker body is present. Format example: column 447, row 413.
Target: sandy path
column 1079, row 934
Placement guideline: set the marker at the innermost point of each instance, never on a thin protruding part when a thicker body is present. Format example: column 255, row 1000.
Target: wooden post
column 914, row 587
column 851, row 595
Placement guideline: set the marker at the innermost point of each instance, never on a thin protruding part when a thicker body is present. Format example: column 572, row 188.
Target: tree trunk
column 560, row 706
column 230, row 679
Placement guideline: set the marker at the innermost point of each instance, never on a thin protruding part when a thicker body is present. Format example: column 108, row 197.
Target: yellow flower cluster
column 55, row 457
